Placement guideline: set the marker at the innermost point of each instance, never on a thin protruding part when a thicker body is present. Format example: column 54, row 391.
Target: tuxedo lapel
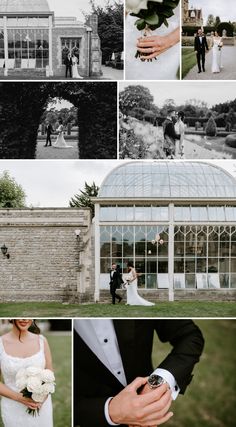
column 125, row 332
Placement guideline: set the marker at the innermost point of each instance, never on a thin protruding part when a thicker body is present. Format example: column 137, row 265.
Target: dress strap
column 1, row 346
column 41, row 342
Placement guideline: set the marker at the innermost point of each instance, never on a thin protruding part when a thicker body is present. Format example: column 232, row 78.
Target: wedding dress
column 60, row 142
column 75, row 73
column 133, row 298
column 216, row 55
column 167, row 63
column 179, row 144
column 14, row 413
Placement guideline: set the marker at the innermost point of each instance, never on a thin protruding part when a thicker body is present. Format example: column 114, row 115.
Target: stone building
column 190, row 15
column 34, row 42
column 50, row 255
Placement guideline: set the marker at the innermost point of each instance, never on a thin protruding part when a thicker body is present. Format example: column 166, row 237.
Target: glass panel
column 213, row 265
column 182, row 213
column 105, row 265
column 105, row 249
column 140, row 269
column 214, row 281
column 201, row 265
column 230, row 213
column 216, row 213
column 72, row 45
column 160, row 213
column 233, row 249
column 142, row 213
column 179, row 248
column 224, row 265
column 199, row 213
column 224, row 280
column 163, row 249
column 179, row 281
column 179, row 265
column 224, row 249
column 213, row 248
column 108, row 213
column 233, row 265
column 140, row 241
column 190, row 281
column 163, row 266
column 233, row 281
column 151, row 281
column 128, row 241
column 190, row 265
column 202, row 282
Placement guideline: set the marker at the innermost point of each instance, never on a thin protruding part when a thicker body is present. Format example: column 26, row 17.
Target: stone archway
column 22, row 104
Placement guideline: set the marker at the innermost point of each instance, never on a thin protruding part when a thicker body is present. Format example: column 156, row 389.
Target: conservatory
column 175, row 220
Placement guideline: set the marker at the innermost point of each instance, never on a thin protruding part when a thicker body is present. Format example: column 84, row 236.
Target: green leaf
column 152, row 19
column 166, row 22
column 141, row 24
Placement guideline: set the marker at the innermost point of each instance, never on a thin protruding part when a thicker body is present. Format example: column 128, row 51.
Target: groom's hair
column 170, row 110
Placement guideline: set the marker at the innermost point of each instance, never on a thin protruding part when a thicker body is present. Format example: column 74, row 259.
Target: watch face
column 155, row 381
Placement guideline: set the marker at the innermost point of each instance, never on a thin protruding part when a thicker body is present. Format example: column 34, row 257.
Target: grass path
column 161, row 309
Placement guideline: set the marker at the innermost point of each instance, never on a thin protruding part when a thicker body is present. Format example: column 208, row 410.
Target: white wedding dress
column 166, row 65
column 14, row 413
column 216, row 55
column 179, row 144
column 133, row 298
column 75, row 73
column 60, row 142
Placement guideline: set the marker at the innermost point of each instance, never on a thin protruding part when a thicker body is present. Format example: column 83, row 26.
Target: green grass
column 161, row 309
column 210, row 400
column 61, row 353
column 188, row 60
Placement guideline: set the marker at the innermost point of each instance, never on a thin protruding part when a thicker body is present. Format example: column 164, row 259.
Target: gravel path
column 57, row 153
column 227, row 73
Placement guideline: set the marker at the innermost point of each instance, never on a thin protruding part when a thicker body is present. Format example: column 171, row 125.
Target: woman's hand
column 30, row 403
column 153, row 46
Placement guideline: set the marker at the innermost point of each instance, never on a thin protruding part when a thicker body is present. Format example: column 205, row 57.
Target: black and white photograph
column 53, row 39
column 53, row 120
column 180, row 120
column 208, row 40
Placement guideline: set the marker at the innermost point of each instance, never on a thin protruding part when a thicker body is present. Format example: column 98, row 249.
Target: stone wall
column 47, row 261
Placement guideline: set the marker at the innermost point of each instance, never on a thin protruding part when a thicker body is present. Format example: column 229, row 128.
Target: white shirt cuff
column 106, row 412
column 170, row 379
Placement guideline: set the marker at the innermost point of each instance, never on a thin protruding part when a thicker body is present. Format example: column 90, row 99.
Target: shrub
column 226, row 26
column 211, row 129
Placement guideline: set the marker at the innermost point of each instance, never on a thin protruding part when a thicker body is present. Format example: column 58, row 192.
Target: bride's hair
column 130, row 264
column 33, row 327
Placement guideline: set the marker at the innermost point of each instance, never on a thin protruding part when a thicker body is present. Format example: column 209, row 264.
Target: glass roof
column 166, row 179
column 21, row 6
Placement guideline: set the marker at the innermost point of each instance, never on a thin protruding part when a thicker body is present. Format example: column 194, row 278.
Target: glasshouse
column 176, row 221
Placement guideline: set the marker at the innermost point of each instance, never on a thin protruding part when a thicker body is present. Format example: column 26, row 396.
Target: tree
column 12, row 194
column 217, row 21
column 226, row 26
column 83, row 198
column 135, row 96
column 110, row 27
column 211, row 128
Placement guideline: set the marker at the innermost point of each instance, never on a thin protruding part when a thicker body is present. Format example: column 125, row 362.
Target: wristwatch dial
column 155, row 381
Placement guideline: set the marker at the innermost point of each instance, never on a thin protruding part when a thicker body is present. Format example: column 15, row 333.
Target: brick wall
column 47, row 261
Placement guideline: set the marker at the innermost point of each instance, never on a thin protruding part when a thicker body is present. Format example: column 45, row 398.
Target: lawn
column 210, row 400
column 188, row 60
column 61, row 352
column 161, row 309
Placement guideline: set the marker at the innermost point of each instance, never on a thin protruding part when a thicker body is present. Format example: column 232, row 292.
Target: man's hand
column 145, row 409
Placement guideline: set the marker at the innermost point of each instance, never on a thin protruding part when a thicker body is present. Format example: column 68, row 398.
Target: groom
column 112, row 360
column 49, row 131
column 200, row 47
column 115, row 282
column 170, row 135
column 68, row 64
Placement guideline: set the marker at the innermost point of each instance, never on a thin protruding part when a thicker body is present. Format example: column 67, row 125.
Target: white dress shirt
column 100, row 337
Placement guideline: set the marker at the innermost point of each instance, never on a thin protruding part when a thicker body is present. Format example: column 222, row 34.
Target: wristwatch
column 155, row 381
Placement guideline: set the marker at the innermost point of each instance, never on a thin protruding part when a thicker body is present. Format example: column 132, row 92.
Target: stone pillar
column 171, row 252
column 50, row 46
column 97, row 253
column 95, row 54
column 5, row 45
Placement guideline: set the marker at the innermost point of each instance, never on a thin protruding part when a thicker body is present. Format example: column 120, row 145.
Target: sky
column 51, row 183
column 60, row 103
column 210, row 92
column 225, row 9
column 73, row 7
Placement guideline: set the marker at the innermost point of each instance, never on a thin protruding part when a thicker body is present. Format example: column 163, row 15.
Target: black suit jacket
column 198, row 46
column 94, row 383
column 49, row 129
column 116, row 279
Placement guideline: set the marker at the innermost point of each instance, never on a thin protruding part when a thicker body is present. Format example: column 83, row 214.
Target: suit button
column 118, row 372
column 105, row 340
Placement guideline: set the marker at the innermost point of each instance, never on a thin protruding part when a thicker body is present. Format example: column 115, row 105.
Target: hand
column 148, row 409
column 153, row 46
column 30, row 403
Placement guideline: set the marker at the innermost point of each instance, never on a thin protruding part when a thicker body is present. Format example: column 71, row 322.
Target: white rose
column 32, row 371
column 47, row 376
column 134, row 6
column 48, row 388
column 21, row 382
column 38, row 397
column 34, row 384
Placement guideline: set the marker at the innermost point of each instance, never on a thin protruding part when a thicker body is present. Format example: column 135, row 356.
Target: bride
column 23, row 347
column 60, row 142
column 75, row 73
column 180, row 130
column 133, row 298
column 217, row 45
column 162, row 44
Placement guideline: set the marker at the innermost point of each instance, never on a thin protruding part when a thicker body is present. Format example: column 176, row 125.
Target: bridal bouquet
column 35, row 383
column 151, row 14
